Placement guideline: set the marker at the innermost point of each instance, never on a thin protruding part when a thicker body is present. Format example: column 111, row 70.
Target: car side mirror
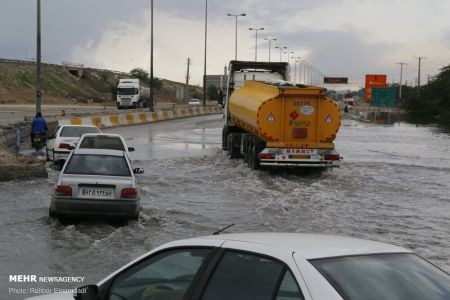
column 71, row 147
column 138, row 171
column 130, row 149
column 87, row 292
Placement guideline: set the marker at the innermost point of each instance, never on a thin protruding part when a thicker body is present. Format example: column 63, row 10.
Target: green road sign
column 383, row 97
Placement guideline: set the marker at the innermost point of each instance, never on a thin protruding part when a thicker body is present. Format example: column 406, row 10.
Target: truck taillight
column 63, row 190
column 64, row 146
column 332, row 157
column 129, row 193
column 266, row 156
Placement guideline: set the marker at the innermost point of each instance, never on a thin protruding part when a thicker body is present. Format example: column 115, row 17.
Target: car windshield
column 96, row 164
column 77, row 131
column 127, row 91
column 385, row 276
column 102, row 142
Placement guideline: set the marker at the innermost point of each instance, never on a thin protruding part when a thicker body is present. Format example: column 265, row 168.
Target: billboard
column 379, row 80
column 335, row 80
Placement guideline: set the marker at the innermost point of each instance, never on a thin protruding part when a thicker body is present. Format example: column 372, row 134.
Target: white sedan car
column 64, row 137
column 280, row 266
column 97, row 182
column 103, row 141
column 194, row 101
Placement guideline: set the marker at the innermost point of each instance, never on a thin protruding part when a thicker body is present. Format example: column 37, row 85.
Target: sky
column 340, row 38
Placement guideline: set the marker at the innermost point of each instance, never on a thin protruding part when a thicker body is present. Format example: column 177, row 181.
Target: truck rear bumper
column 297, row 164
column 299, row 158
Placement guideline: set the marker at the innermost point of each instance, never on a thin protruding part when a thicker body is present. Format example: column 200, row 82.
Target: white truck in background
column 131, row 94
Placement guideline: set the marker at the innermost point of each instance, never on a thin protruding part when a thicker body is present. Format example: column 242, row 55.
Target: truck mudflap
column 306, row 158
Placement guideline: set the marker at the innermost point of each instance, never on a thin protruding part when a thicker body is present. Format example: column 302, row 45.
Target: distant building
column 219, row 81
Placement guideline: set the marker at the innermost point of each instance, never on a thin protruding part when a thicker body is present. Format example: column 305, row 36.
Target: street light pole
column 151, row 101
column 235, row 42
column 204, row 68
column 270, row 44
column 297, row 59
column 256, row 40
column 281, row 50
column 300, row 71
column 38, row 59
column 287, row 52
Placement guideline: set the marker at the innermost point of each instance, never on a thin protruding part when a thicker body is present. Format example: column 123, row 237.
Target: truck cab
column 130, row 94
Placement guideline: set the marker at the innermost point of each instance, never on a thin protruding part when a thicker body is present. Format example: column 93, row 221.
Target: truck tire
column 245, row 148
column 249, row 150
column 225, row 138
column 256, row 147
column 234, row 145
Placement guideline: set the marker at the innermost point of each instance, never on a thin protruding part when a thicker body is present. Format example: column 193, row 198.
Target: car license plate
column 97, row 193
column 295, row 156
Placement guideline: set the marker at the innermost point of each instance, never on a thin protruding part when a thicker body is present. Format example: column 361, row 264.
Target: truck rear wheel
column 234, row 145
column 245, row 139
column 225, row 138
column 255, row 147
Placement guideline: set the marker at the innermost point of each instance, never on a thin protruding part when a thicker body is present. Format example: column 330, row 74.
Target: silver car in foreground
column 97, row 182
column 272, row 266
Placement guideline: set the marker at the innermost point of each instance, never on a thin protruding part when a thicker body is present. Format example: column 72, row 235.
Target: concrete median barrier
column 136, row 118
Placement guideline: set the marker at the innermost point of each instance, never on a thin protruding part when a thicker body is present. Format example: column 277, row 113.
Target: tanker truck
column 271, row 122
column 131, row 94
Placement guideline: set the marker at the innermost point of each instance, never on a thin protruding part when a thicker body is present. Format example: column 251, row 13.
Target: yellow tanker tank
column 286, row 116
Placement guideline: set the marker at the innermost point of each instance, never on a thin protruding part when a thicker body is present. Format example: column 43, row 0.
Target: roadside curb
column 124, row 119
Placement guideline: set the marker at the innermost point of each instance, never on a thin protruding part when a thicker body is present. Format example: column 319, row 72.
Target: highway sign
column 383, row 97
column 335, row 80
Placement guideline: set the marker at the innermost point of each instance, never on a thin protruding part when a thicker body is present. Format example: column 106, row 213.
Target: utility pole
column 204, row 68
column 38, row 59
column 151, row 102
column 419, row 58
column 189, row 62
column 401, row 78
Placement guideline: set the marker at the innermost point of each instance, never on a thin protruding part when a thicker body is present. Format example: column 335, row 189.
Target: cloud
column 341, row 37
column 125, row 45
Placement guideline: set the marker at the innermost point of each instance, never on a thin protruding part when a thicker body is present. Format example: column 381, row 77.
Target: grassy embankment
column 17, row 85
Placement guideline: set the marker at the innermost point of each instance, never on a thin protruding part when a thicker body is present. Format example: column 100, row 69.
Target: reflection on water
column 393, row 186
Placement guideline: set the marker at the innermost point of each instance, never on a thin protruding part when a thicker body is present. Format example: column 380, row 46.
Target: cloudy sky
column 345, row 38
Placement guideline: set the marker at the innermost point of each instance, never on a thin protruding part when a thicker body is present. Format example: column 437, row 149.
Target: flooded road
column 393, row 186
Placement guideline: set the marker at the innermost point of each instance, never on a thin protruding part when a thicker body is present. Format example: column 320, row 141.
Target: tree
column 431, row 103
column 143, row 76
column 139, row 73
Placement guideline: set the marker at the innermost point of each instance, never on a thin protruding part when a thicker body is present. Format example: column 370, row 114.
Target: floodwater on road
column 393, row 186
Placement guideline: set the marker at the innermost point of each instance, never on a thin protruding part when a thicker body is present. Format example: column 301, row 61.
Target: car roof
column 78, row 126
column 311, row 246
column 102, row 134
column 99, row 152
